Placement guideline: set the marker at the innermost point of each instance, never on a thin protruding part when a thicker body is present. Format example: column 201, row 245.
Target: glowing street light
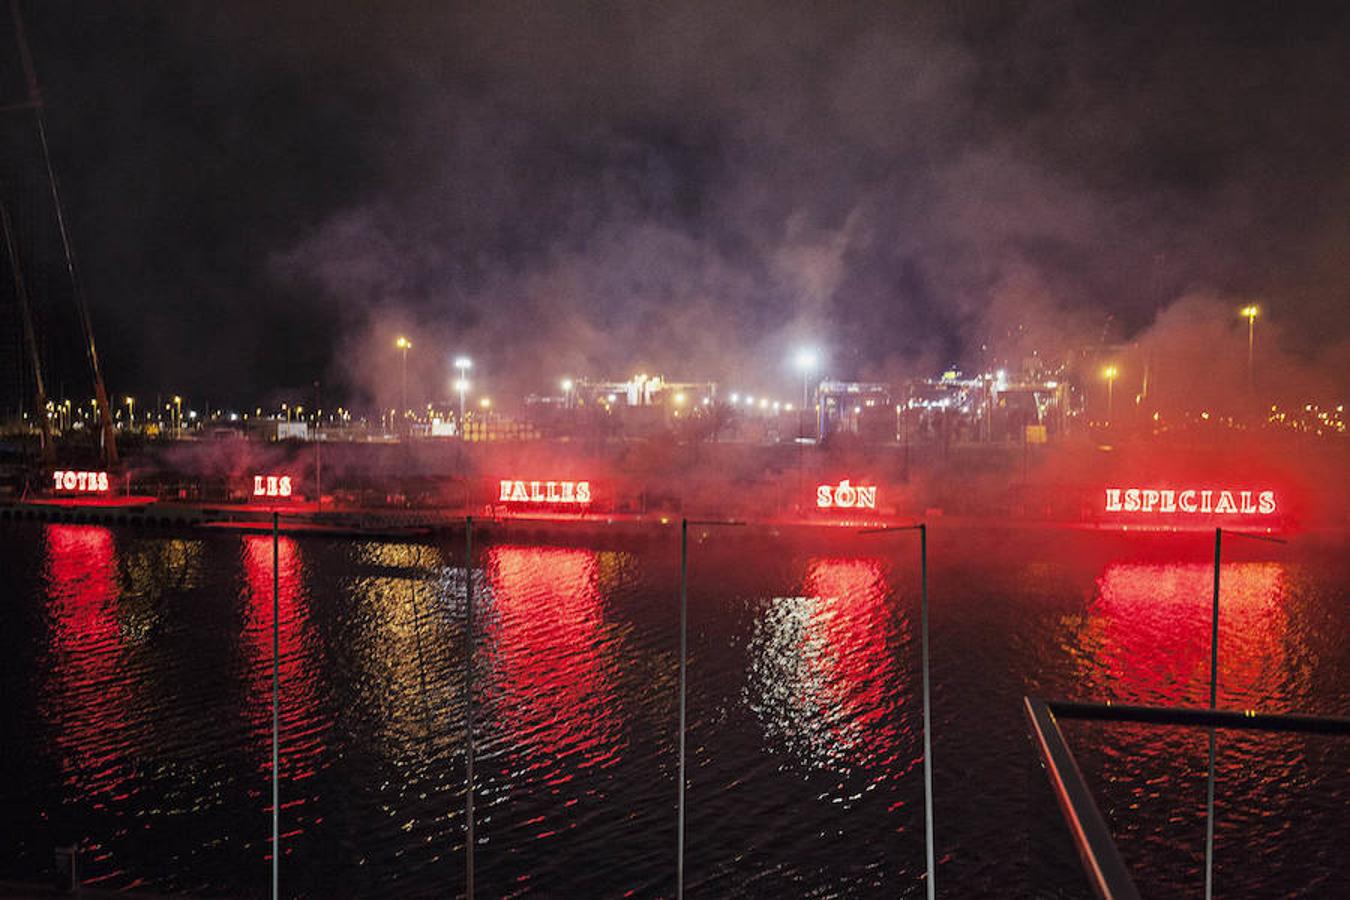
column 1251, row 312
column 131, row 412
column 567, row 386
column 1110, row 373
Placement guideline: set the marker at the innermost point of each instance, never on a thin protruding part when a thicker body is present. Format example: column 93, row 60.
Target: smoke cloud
column 697, row 188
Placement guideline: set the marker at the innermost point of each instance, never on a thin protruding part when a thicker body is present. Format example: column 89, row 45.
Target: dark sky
column 267, row 193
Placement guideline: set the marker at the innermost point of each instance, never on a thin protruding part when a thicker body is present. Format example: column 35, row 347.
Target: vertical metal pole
column 276, row 707
column 927, row 715
column 801, row 445
column 417, row 634
column 684, row 640
column 1251, row 359
column 318, row 459
column 1214, row 626
column 1213, row 700
column 468, row 703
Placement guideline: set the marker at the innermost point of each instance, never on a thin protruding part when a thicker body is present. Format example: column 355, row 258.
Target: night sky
column 265, row 194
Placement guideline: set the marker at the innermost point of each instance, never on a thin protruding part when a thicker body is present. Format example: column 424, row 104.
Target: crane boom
column 108, row 441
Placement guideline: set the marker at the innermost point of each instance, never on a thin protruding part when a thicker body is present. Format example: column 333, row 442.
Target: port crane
column 34, row 104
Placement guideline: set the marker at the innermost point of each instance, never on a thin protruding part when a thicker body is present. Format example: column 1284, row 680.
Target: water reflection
column 1146, row 637
column 87, row 696
column 826, row 678
column 555, row 697
column 138, row 722
column 303, row 725
column 405, row 634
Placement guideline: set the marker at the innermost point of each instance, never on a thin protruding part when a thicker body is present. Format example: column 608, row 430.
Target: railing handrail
column 1105, row 867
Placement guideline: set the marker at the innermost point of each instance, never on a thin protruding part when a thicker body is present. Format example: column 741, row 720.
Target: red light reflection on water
column 555, row 695
column 89, row 696
column 825, row 668
column 303, row 728
column 1149, row 632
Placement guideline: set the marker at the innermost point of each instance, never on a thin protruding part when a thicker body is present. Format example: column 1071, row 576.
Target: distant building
column 644, row 390
column 640, row 404
column 279, row 430
column 986, row 407
column 855, row 407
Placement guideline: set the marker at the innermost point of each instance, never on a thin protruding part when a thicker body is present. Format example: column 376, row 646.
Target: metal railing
column 1110, row 877
column 1102, row 862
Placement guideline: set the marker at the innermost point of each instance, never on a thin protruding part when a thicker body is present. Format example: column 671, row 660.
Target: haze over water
column 137, row 672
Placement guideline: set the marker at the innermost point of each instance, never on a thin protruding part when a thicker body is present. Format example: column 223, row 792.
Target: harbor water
column 136, row 672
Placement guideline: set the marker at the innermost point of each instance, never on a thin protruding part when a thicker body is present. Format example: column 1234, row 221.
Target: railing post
column 927, row 715
column 684, row 653
column 1213, row 700
column 684, row 642
column 929, row 841
column 468, row 705
column 276, row 706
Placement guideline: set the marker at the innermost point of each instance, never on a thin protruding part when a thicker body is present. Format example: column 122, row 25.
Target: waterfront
column 137, row 671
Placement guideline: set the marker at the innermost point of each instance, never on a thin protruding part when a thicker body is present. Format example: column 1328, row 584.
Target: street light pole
column 806, row 361
column 1110, row 372
column 463, row 364
column 404, row 344
column 1251, row 312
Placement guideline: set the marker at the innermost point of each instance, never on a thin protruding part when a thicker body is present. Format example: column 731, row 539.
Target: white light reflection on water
column 828, row 675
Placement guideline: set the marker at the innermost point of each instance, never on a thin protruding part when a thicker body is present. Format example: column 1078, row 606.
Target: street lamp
column 131, row 412
column 461, row 385
column 178, row 415
column 807, row 360
column 1110, row 373
column 405, row 345
column 567, row 386
column 463, row 364
column 1251, row 312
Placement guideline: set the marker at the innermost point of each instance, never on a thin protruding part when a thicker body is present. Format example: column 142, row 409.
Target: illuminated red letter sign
column 846, row 496
column 271, row 485
column 1192, row 501
column 68, row 482
column 545, row 492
